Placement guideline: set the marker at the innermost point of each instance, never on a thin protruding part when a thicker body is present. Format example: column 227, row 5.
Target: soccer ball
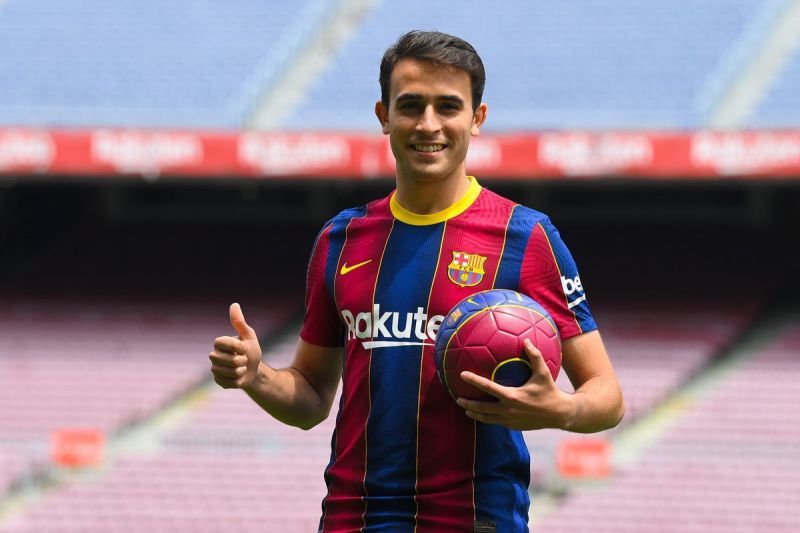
column 484, row 334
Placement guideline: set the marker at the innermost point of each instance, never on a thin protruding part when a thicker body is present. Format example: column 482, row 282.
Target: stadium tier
column 97, row 365
column 781, row 105
column 227, row 449
column 224, row 443
column 14, row 464
column 729, row 463
column 550, row 64
column 655, row 353
column 149, row 63
column 144, row 186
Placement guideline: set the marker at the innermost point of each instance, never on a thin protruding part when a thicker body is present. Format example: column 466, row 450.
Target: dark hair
column 439, row 48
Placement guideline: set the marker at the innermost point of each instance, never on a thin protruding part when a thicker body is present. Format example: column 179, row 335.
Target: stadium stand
column 105, row 284
column 781, row 106
column 227, row 448
column 227, row 445
column 180, row 64
column 99, row 365
column 655, row 353
column 14, row 464
column 728, row 464
column 549, row 65
column 202, row 65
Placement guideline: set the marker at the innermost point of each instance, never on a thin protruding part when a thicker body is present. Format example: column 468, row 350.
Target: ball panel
column 478, row 330
column 504, row 346
column 477, row 359
column 512, row 372
column 512, row 318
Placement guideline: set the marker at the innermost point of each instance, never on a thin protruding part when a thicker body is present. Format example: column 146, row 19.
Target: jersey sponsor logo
column 346, row 269
column 466, row 270
column 392, row 328
column 572, row 286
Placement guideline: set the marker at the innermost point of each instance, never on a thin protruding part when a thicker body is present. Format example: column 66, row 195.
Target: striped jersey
column 404, row 456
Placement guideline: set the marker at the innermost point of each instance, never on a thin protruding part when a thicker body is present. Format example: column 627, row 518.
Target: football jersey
column 380, row 280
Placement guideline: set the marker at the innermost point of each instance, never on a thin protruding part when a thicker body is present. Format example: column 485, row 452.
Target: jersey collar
column 404, row 215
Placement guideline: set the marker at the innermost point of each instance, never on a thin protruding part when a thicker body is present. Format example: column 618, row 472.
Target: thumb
column 237, row 321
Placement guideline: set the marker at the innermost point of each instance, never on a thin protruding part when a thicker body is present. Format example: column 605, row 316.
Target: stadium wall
column 177, row 235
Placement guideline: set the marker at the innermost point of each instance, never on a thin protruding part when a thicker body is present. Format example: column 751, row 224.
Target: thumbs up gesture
column 235, row 360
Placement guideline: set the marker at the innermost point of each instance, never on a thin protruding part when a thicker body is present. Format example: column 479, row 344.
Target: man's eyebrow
column 408, row 96
column 452, row 98
column 414, row 96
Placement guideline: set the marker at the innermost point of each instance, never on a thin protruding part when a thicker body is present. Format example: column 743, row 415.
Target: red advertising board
column 77, row 447
column 584, row 458
column 555, row 154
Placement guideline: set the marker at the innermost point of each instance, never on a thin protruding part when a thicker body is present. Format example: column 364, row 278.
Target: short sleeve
column 549, row 276
column 321, row 325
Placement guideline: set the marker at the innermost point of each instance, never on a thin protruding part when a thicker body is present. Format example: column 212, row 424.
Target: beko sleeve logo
column 572, row 286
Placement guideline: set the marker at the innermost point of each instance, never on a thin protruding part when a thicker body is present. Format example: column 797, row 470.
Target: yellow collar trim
column 404, row 215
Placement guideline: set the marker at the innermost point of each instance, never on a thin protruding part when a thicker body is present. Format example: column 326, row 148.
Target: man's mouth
column 428, row 147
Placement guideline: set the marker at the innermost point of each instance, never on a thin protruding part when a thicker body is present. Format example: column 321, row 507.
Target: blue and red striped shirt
column 404, row 456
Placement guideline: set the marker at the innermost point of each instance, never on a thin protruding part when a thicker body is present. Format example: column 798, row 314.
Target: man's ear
column 383, row 116
column 478, row 119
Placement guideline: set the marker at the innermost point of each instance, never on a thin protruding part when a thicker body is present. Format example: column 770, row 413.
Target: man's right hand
column 235, row 360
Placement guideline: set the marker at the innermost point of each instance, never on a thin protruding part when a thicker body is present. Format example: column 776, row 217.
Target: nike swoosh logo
column 345, row 269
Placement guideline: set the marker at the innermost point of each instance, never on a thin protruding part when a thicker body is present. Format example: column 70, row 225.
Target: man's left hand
column 536, row 404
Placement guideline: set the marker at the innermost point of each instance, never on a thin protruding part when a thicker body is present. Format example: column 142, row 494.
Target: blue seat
column 144, row 63
column 550, row 63
column 781, row 106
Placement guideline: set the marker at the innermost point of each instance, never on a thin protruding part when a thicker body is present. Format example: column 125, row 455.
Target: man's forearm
column 595, row 406
column 288, row 396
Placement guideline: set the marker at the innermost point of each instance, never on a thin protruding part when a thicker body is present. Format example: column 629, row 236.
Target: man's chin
column 428, row 174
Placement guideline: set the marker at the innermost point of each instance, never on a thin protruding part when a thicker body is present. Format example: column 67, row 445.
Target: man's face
column 429, row 120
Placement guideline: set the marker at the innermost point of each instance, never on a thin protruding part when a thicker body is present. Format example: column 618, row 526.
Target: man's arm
column 595, row 405
column 301, row 395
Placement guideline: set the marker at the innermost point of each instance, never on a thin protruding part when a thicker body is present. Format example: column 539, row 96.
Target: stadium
column 159, row 161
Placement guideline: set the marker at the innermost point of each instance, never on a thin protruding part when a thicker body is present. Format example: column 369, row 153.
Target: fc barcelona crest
column 466, row 269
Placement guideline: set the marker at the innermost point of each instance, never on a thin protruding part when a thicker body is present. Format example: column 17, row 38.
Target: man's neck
column 428, row 197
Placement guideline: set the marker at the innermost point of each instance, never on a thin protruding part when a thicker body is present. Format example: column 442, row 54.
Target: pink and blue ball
column 484, row 334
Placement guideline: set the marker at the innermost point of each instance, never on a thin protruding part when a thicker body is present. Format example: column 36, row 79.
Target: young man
column 405, row 457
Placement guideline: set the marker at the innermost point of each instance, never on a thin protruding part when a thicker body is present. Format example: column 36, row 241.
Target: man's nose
column 429, row 122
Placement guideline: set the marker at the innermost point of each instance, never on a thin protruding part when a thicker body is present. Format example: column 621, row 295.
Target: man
column 404, row 456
